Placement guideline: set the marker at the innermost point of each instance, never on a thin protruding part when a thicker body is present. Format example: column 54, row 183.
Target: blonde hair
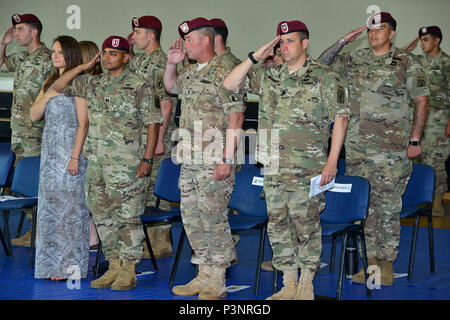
column 88, row 50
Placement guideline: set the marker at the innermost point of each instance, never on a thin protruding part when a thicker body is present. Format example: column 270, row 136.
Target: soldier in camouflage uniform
column 435, row 138
column 119, row 104
column 150, row 65
column 31, row 67
column 207, row 178
column 299, row 99
column 381, row 141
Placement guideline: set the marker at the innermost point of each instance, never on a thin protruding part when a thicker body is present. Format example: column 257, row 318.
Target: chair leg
column 431, row 241
column 149, row 246
column 362, row 238
column 341, row 267
column 7, row 234
column 97, row 259
column 19, row 228
column 262, row 237
column 275, row 280
column 333, row 253
column 33, row 235
column 177, row 256
column 413, row 247
column 5, row 247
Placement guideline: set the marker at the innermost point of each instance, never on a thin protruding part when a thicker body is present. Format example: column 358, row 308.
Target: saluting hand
column 8, row 36
column 266, row 50
column 92, row 62
column 176, row 53
column 412, row 45
column 355, row 33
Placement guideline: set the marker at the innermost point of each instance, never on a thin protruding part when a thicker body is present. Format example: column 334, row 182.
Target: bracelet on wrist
column 251, row 57
column 343, row 41
column 149, row 161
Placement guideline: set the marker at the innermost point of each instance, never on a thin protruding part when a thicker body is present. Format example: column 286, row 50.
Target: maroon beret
column 285, row 27
column 24, row 18
column 190, row 25
column 380, row 17
column 116, row 42
column 149, row 22
column 430, row 30
column 218, row 23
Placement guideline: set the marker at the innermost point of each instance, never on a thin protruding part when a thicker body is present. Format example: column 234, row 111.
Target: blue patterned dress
column 62, row 240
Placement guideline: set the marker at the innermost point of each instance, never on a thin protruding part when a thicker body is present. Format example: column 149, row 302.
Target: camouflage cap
column 190, row 25
column 285, row 27
column 24, row 18
column 116, row 42
column 430, row 30
column 149, row 22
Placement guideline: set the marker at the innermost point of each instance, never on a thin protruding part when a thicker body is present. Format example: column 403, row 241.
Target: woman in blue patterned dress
column 62, row 241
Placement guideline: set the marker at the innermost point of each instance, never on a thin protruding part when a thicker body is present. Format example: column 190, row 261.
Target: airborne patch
column 233, row 98
column 340, row 95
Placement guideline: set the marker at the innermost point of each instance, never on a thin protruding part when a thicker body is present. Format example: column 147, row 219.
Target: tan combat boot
column 196, row 285
column 215, row 288
column 359, row 277
column 109, row 276
column 387, row 273
column 305, row 290
column 289, row 290
column 126, row 278
column 267, row 265
column 23, row 241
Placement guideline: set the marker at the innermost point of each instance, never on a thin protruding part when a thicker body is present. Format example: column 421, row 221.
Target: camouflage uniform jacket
column 437, row 70
column 31, row 71
column 301, row 106
column 206, row 104
column 118, row 108
column 380, row 90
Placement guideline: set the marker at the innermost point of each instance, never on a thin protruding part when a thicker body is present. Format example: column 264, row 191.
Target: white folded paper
column 314, row 186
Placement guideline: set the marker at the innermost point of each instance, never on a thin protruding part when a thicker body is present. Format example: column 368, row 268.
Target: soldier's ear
column 392, row 34
column 125, row 58
column 305, row 44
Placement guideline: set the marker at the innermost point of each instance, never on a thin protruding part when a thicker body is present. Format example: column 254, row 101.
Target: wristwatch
column 149, row 161
column 227, row 160
column 414, row 143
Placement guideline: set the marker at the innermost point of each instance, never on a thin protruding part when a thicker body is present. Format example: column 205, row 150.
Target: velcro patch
column 233, row 97
column 340, row 95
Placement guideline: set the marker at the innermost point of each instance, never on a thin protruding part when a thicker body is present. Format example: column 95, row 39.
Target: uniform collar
column 386, row 58
column 434, row 59
column 299, row 72
column 118, row 78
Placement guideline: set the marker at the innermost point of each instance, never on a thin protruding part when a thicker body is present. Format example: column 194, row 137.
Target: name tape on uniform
column 341, row 187
column 258, row 181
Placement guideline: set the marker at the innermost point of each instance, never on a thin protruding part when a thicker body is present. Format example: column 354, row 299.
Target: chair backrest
column 166, row 185
column 246, row 196
column 341, row 207
column 420, row 188
column 26, row 177
column 6, row 164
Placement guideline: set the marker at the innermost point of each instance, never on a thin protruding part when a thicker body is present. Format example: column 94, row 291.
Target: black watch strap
column 414, row 143
column 251, row 57
column 149, row 161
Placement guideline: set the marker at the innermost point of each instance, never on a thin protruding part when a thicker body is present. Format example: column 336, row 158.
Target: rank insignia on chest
column 159, row 85
column 233, row 98
column 107, row 100
column 127, row 87
column 340, row 94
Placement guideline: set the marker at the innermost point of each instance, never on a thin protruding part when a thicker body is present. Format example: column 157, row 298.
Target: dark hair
column 72, row 55
column 435, row 35
column 223, row 32
column 37, row 26
column 392, row 24
column 156, row 32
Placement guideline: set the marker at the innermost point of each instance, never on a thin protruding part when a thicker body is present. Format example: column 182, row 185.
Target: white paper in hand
column 314, row 186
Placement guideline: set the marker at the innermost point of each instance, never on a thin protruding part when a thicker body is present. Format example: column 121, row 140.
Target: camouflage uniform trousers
column 26, row 145
column 294, row 227
column 116, row 199
column 204, row 211
column 435, row 151
column 388, row 175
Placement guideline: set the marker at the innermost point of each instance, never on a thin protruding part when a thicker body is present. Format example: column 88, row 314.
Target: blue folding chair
column 416, row 203
column 166, row 187
column 344, row 215
column 251, row 211
column 25, row 184
column 6, row 165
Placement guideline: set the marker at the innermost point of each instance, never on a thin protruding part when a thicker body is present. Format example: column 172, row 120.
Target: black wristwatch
column 414, row 143
column 149, row 161
column 251, row 57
